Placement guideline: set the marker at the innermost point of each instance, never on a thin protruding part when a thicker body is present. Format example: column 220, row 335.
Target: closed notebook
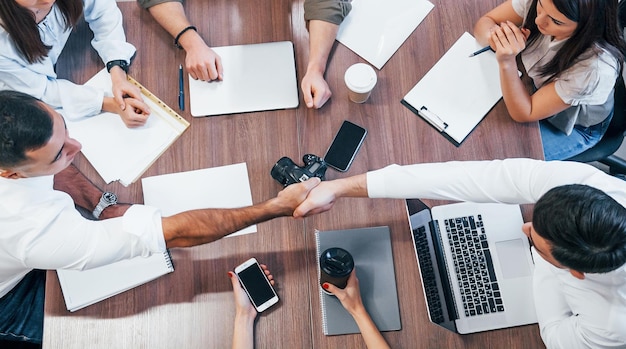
column 457, row 93
column 257, row 77
column 85, row 287
column 371, row 250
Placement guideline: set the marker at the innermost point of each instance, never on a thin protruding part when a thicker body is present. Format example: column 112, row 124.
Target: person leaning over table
column 573, row 51
column 350, row 298
column 34, row 32
column 578, row 233
column 41, row 229
column 322, row 16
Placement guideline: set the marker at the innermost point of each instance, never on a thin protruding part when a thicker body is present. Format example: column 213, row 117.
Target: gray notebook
column 371, row 250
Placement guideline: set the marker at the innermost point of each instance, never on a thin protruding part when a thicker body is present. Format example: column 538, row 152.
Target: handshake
column 309, row 195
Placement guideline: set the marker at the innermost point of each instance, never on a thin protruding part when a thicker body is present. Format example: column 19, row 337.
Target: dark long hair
column 597, row 25
column 19, row 23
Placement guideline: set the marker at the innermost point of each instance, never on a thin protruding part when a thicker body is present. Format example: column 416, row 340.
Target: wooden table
column 193, row 307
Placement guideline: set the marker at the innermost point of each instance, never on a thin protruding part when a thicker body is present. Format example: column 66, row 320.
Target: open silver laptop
column 475, row 264
column 257, row 77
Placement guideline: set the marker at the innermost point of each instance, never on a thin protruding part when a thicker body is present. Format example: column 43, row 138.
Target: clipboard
column 121, row 153
column 458, row 91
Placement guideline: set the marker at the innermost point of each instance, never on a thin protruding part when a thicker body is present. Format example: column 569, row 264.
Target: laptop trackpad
column 512, row 258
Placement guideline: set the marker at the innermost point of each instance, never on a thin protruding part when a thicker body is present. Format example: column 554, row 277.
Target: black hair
column 25, row 125
column 597, row 28
column 585, row 227
column 19, row 23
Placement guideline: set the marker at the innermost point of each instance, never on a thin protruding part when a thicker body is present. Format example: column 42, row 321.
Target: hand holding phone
column 256, row 284
column 344, row 147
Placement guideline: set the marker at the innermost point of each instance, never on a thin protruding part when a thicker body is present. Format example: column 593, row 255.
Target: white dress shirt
column 41, row 229
column 40, row 79
column 572, row 313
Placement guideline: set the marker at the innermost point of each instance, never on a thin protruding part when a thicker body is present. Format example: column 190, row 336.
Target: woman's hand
column 508, row 41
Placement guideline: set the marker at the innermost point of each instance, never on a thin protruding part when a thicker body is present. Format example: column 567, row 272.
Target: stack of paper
column 375, row 29
column 121, row 153
column 217, row 187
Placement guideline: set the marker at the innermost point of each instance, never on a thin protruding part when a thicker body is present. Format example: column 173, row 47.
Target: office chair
column 604, row 150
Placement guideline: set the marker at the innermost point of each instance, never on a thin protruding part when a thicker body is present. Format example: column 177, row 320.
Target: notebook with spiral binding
column 371, row 250
column 82, row 288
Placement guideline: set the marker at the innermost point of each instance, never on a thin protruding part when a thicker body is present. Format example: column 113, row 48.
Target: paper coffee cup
column 360, row 79
column 336, row 264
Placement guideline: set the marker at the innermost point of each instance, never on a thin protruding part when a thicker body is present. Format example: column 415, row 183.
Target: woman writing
column 573, row 52
column 32, row 36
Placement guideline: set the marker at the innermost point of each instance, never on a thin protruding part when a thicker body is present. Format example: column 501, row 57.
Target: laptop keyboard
column 428, row 275
column 480, row 292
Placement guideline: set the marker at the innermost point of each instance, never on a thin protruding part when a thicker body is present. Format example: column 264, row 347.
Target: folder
column 458, row 92
column 121, row 153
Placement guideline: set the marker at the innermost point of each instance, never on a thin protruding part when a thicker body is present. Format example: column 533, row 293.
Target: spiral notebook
column 82, row 288
column 373, row 259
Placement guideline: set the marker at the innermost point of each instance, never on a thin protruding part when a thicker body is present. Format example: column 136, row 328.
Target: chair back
column 617, row 127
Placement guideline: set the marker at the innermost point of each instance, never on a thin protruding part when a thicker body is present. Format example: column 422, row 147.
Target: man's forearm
column 84, row 193
column 197, row 227
column 171, row 16
column 321, row 39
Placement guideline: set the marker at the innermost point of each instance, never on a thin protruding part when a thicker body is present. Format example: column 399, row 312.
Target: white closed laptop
column 257, row 77
column 475, row 264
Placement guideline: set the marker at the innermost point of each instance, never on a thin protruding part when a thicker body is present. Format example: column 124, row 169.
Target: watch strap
column 107, row 199
column 119, row 63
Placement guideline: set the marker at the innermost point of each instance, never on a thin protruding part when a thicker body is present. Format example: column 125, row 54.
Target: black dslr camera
column 286, row 172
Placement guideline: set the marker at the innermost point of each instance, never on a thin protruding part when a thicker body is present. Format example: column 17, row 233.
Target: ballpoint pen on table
column 181, row 88
column 484, row 49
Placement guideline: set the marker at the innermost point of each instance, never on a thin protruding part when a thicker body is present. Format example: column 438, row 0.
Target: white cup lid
column 360, row 78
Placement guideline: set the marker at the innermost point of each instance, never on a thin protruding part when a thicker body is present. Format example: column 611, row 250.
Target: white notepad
column 121, row 153
column 257, row 77
column 86, row 287
column 217, row 187
column 375, row 29
column 457, row 93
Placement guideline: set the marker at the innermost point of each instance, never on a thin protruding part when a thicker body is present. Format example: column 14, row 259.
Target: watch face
column 109, row 197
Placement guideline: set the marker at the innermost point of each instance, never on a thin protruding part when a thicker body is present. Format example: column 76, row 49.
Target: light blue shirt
column 40, row 79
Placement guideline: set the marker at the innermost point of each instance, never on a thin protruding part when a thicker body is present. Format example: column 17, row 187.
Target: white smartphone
column 345, row 145
column 256, row 284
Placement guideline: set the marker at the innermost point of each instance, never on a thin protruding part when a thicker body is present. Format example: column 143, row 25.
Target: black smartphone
column 344, row 147
column 256, row 284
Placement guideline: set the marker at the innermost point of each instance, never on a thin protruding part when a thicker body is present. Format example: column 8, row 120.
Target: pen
column 484, row 49
column 181, row 88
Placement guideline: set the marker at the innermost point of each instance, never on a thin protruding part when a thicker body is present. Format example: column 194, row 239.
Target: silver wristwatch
column 107, row 199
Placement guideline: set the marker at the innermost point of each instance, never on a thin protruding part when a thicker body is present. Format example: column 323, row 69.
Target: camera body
column 286, row 172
